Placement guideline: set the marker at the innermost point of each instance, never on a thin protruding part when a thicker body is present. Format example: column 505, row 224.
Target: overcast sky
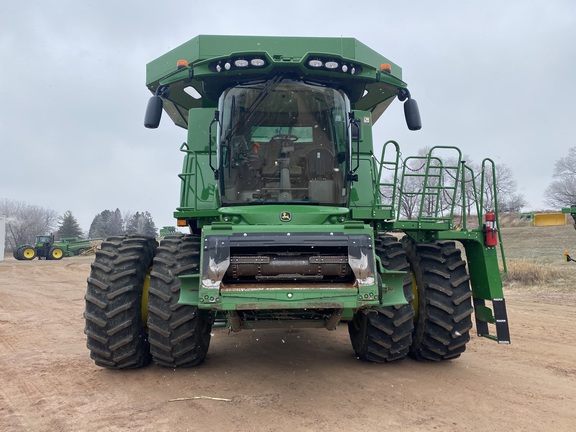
column 495, row 78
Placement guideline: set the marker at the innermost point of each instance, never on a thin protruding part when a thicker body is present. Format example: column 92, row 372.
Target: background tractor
column 46, row 248
column 293, row 221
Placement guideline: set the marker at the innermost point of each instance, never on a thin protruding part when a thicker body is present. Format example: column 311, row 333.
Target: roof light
column 227, row 66
column 258, row 62
column 385, row 67
column 218, row 68
column 353, row 71
column 181, row 64
column 344, row 68
column 331, row 65
column 315, row 63
column 241, row 63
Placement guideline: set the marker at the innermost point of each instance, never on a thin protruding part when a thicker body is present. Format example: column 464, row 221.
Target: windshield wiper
column 252, row 108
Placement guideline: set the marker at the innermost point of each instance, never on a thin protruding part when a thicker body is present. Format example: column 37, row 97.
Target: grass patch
column 535, row 257
column 527, row 272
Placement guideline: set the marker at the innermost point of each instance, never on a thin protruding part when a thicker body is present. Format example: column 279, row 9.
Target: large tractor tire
column 114, row 302
column 384, row 334
column 17, row 253
column 26, row 252
column 442, row 300
column 55, row 253
column 179, row 334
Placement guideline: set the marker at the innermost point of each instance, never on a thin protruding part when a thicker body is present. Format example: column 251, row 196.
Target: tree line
column 110, row 223
column 26, row 221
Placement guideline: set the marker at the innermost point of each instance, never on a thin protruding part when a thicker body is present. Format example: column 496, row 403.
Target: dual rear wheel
column 132, row 313
column 436, row 322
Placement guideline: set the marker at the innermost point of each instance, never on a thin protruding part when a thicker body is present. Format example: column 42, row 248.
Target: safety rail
column 388, row 188
column 427, row 188
column 434, row 187
column 481, row 211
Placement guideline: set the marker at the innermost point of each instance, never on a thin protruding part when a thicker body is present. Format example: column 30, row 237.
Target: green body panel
column 304, row 218
column 483, row 264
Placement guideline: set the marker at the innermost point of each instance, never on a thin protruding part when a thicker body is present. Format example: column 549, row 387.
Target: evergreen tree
column 68, row 226
column 107, row 223
column 116, row 223
column 133, row 224
column 141, row 223
column 97, row 227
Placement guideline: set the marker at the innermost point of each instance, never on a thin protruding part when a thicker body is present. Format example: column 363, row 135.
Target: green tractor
column 293, row 221
column 46, row 248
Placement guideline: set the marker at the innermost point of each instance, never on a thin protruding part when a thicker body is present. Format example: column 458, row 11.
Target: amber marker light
column 181, row 64
column 181, row 222
column 385, row 67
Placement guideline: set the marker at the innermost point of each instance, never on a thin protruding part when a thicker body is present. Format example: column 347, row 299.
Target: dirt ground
column 275, row 380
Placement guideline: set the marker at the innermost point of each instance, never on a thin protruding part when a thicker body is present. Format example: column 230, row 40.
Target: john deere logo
column 285, row 216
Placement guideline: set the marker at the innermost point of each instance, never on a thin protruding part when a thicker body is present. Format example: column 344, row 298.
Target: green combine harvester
column 293, row 220
column 45, row 247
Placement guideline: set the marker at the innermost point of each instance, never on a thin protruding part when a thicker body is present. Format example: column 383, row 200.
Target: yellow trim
column 145, row 289
column 415, row 292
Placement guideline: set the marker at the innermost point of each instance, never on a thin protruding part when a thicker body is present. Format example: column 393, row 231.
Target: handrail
column 394, row 164
column 497, row 219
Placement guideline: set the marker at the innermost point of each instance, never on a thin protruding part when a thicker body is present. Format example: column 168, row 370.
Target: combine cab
column 293, row 222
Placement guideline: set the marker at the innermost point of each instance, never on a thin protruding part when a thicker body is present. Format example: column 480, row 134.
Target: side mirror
column 412, row 114
column 153, row 112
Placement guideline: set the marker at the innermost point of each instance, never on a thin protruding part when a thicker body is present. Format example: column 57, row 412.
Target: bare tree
column 562, row 191
column 506, row 190
column 25, row 221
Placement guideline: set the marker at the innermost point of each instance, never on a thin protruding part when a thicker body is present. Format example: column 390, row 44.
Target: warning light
column 385, row 67
column 181, row 64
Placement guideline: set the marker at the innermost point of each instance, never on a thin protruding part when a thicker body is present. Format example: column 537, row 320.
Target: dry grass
column 535, row 257
column 532, row 273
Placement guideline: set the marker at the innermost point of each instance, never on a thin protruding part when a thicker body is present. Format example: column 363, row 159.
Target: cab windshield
column 283, row 141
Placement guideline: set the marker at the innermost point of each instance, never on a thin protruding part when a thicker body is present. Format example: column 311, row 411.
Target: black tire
column 384, row 334
column 114, row 326
column 16, row 253
column 179, row 334
column 55, row 253
column 26, row 253
column 443, row 301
